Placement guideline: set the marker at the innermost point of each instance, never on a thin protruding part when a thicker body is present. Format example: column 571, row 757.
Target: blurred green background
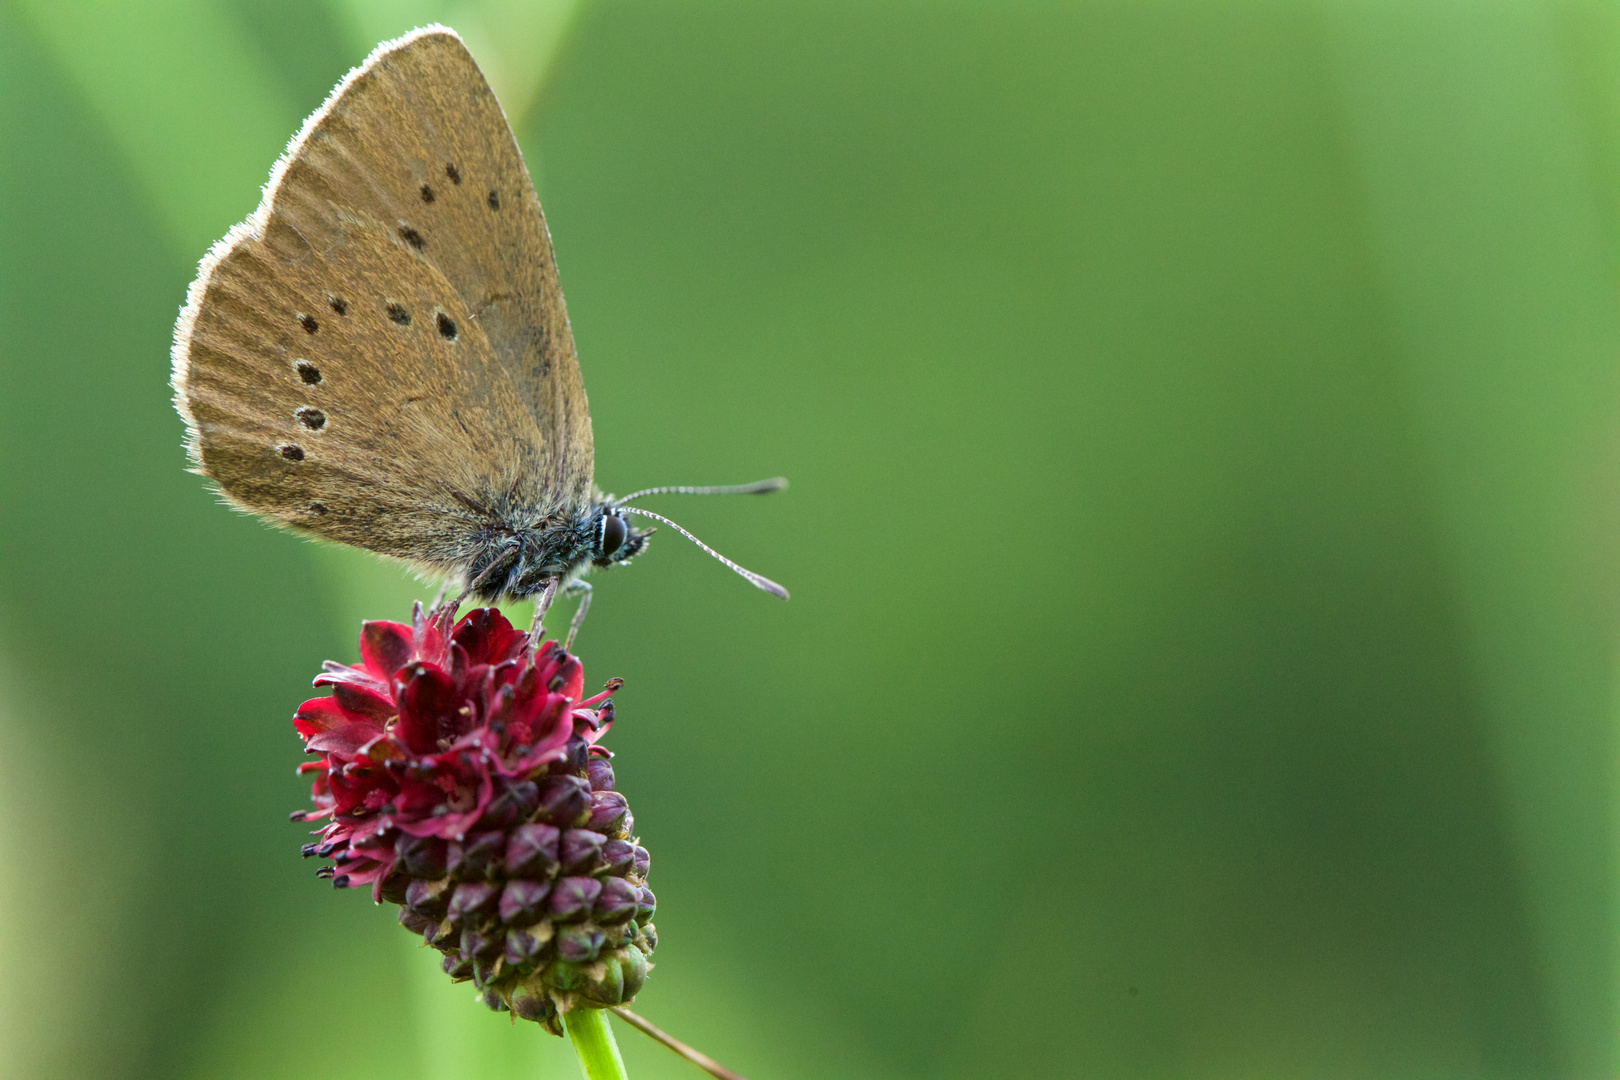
column 1204, row 427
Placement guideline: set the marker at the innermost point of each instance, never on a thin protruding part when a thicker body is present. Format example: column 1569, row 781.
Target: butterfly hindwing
column 381, row 354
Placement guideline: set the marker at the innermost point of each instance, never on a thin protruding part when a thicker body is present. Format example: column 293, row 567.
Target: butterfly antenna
column 758, row 487
column 758, row 580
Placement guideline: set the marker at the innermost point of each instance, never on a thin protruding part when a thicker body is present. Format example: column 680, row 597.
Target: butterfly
column 380, row 355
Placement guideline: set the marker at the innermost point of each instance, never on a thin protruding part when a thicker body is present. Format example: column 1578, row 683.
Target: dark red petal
column 385, row 647
column 328, row 728
column 370, row 849
column 521, row 699
column 365, row 701
column 427, row 705
column 429, row 641
column 346, row 739
column 381, row 749
column 320, row 714
column 347, row 793
column 463, row 793
column 546, row 734
column 461, row 669
column 573, row 679
column 332, row 674
column 362, row 872
column 487, row 636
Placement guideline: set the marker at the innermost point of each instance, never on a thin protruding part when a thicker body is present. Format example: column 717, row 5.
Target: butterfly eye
column 611, row 538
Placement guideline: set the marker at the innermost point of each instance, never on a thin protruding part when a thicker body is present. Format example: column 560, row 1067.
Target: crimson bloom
column 460, row 777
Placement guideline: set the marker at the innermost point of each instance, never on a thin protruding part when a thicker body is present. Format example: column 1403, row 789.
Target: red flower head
column 460, row 773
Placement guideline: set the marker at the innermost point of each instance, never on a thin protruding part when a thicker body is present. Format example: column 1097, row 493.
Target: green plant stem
column 593, row 1041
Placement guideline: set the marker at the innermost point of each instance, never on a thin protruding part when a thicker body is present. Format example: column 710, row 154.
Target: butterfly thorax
column 522, row 554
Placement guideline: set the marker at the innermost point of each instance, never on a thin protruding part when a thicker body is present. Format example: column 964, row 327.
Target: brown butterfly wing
column 381, row 354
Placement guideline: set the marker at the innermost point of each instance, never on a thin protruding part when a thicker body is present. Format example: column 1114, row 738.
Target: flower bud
column 618, row 901
column 532, row 850
column 573, row 897
column 523, row 902
column 564, row 800
column 470, row 900
column 609, row 814
column 599, row 771
column 420, row 856
column 618, row 857
column 478, row 856
column 580, row 944
column 581, row 851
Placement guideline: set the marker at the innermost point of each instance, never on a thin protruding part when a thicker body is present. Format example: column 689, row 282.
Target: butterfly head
column 614, row 541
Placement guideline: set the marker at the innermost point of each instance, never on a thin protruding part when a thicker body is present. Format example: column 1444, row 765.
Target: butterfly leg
column 439, row 610
column 473, row 585
column 584, row 590
column 540, row 606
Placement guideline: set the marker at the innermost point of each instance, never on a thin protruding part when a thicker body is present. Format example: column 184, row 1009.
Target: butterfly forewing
column 389, row 323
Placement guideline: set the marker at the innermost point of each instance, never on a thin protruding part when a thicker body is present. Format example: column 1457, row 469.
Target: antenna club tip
column 765, row 584
column 775, row 483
